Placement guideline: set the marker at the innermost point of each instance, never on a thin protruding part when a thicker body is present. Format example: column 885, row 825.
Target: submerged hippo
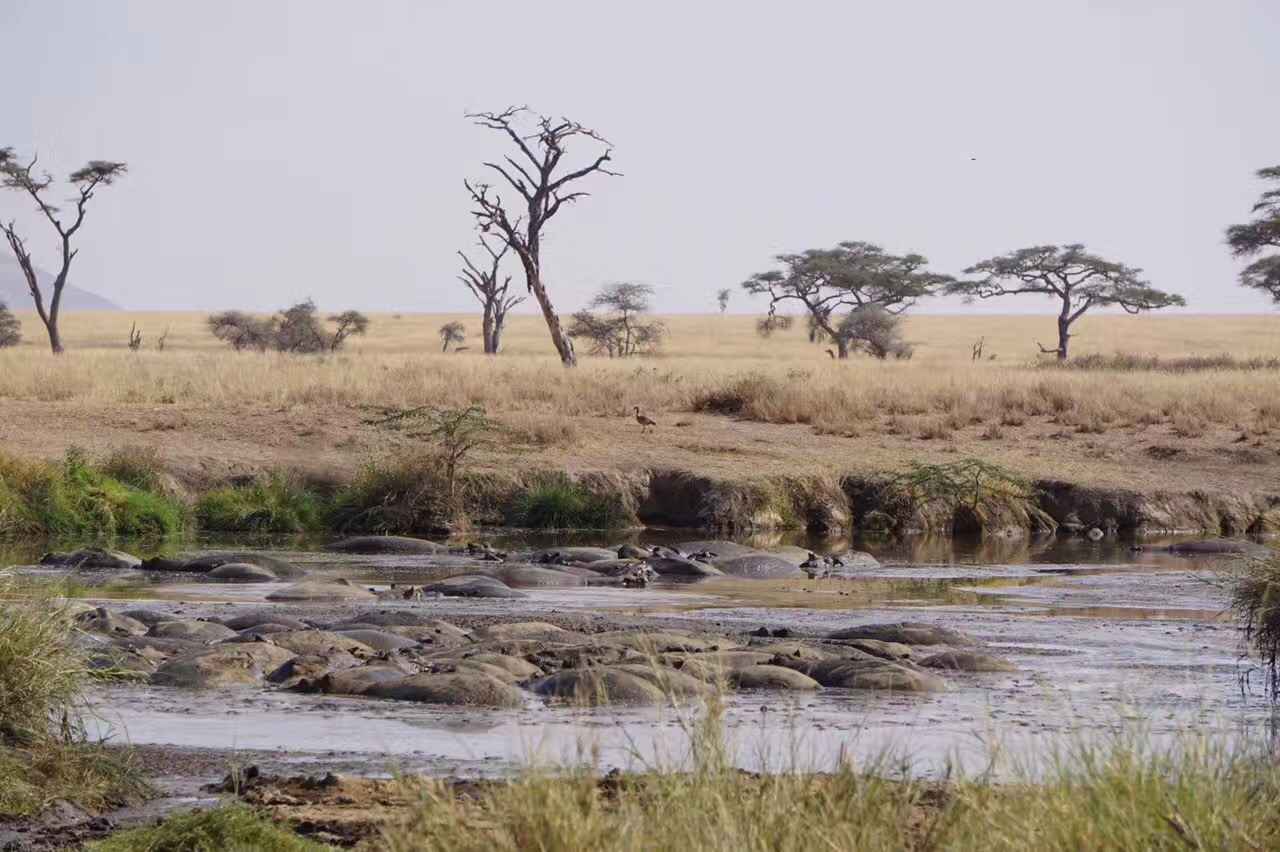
column 473, row 586
column 378, row 544
column 92, row 558
column 756, row 566
column 564, row 555
column 1225, row 546
column 207, row 562
column 673, row 566
column 714, row 548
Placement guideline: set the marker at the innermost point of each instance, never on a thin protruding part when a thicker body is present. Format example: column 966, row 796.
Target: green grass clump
column 1255, row 597
column 554, row 502
column 273, row 506
column 404, row 494
column 43, row 754
column 1112, row 797
column 231, row 828
column 78, row 498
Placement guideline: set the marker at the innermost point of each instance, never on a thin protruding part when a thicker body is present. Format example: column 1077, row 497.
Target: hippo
column 715, row 548
column 91, row 559
column 473, row 586
column 670, row 566
column 598, row 685
column 241, row 572
column 906, row 633
column 381, row 544
column 467, row 688
column 207, row 562
column 866, row 674
column 757, row 566
column 528, row 576
column 572, row 554
column 317, row 591
column 967, row 661
column 222, row 665
column 631, row 551
column 1216, row 546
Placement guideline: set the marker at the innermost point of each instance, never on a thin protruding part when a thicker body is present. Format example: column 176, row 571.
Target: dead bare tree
column 160, row 341
column 536, row 175
column 20, row 178
column 491, row 292
column 977, row 349
column 135, row 337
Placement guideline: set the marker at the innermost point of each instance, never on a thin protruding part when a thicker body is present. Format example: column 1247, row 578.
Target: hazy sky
column 280, row 150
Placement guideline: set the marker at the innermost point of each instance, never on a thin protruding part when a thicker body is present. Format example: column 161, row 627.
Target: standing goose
column 645, row 422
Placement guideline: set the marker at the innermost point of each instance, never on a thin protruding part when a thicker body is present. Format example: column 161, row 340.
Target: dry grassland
column 728, row 402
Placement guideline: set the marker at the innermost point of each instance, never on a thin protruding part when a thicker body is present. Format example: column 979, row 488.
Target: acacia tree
column 347, row 324
column 542, row 182
column 85, row 181
column 1258, row 236
column 621, row 328
column 452, row 333
column 832, row 284
column 1078, row 279
column 722, row 297
column 10, row 328
column 492, row 293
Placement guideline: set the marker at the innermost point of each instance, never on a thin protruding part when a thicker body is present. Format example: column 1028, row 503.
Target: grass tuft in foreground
column 231, row 828
column 1114, row 797
column 1255, row 596
column 43, row 755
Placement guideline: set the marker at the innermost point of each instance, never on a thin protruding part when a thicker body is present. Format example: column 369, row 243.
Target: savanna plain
column 915, row 616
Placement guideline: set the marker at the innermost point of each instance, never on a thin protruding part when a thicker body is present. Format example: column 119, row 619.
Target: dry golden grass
column 209, row 403
column 938, row 339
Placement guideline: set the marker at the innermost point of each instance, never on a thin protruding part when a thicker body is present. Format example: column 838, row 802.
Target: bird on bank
column 645, row 422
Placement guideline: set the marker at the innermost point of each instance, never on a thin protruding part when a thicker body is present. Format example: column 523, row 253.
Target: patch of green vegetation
column 78, row 498
column 403, row 494
column 1112, row 797
column 550, row 501
column 43, row 754
column 1255, row 596
column 231, row 828
column 274, row 506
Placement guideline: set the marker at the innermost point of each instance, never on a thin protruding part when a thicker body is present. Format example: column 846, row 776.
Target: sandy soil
column 328, row 442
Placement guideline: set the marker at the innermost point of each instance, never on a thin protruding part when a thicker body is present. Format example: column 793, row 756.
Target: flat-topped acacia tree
column 1256, row 237
column 1080, row 281
column 543, row 182
column 85, row 182
column 836, row 285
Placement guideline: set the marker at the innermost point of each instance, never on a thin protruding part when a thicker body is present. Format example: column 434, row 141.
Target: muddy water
column 1107, row 643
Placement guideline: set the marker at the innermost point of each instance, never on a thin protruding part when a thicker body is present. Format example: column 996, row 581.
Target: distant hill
column 14, row 293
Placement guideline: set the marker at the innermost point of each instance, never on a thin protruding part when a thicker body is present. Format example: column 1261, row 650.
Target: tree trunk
column 487, row 329
column 498, row 321
column 842, row 348
column 55, row 336
column 1064, row 327
column 564, row 346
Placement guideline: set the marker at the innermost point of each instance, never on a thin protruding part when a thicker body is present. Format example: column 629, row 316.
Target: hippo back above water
column 380, row 544
column 757, row 566
column 1209, row 547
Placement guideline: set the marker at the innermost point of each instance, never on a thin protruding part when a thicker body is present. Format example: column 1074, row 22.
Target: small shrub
column 79, row 499
column 1131, row 362
column 554, row 502
column 935, row 429
column 1255, row 597
column 234, row 827
column 10, row 328
column 274, row 506
column 402, row 495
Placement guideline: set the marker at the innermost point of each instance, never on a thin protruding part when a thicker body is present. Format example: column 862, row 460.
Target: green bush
column 80, row 499
column 231, row 828
column 554, row 502
column 43, row 755
column 398, row 495
column 273, row 506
